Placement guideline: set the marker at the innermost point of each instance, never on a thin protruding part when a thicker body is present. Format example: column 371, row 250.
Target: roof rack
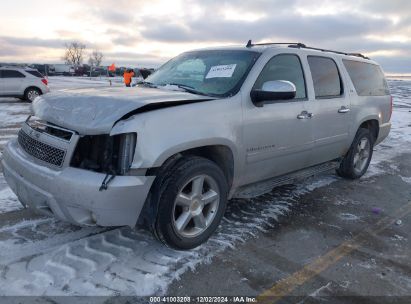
column 250, row 44
column 302, row 45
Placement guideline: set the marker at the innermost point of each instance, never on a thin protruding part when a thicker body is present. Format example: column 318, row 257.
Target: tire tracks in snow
column 48, row 257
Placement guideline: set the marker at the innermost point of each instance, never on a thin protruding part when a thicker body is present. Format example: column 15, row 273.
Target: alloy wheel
column 361, row 155
column 32, row 94
column 195, row 206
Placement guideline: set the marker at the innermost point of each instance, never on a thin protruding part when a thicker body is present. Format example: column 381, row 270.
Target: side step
column 266, row 186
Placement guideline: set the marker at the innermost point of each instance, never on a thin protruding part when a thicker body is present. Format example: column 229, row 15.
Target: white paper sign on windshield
column 221, row 71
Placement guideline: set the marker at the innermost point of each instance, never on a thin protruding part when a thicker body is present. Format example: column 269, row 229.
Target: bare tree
column 96, row 57
column 74, row 53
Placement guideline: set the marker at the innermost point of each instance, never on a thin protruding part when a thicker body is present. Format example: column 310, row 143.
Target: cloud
column 6, row 51
column 115, row 17
column 395, row 64
column 134, row 59
column 32, row 42
column 152, row 29
column 123, row 38
column 284, row 27
column 395, row 7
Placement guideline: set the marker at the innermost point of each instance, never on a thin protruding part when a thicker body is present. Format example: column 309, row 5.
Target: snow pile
column 8, row 200
column 47, row 257
column 12, row 113
column 61, row 82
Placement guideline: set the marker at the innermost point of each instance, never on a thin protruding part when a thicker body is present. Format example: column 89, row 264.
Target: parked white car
column 24, row 83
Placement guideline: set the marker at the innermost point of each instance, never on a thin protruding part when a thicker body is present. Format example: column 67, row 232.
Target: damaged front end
column 112, row 155
column 99, row 153
column 59, row 172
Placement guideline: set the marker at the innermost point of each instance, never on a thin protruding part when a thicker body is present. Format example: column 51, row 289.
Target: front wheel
column 192, row 201
column 358, row 158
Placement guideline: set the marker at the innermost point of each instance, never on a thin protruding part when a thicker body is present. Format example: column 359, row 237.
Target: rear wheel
column 191, row 203
column 31, row 93
column 358, row 158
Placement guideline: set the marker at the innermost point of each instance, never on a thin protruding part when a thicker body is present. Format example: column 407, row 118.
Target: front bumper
column 73, row 194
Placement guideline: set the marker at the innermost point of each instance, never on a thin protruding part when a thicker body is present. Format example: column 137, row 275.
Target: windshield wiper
column 147, row 83
column 188, row 89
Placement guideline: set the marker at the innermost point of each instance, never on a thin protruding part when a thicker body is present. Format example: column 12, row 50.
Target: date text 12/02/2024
column 205, row 299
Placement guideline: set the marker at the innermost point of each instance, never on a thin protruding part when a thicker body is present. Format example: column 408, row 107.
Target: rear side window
column 284, row 67
column 12, row 74
column 326, row 78
column 368, row 79
column 35, row 73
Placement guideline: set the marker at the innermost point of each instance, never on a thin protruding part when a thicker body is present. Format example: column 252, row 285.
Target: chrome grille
column 40, row 150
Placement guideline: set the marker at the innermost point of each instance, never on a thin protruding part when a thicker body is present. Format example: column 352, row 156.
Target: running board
column 266, row 186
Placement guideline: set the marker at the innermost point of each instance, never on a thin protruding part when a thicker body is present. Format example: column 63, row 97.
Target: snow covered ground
column 43, row 256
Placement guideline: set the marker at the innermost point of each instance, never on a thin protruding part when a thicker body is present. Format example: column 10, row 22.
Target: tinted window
column 12, row 74
column 326, row 78
column 368, row 79
column 284, row 67
column 35, row 73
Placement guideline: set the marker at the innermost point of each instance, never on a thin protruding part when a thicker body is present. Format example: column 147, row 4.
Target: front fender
column 165, row 132
column 187, row 145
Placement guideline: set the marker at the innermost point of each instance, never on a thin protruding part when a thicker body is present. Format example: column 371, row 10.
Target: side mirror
column 273, row 90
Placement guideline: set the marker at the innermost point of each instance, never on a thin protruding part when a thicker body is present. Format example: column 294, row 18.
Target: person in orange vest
column 128, row 75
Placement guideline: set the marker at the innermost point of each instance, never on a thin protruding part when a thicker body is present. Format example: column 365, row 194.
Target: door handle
column 304, row 115
column 343, row 110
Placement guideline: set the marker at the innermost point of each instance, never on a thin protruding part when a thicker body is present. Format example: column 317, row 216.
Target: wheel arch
column 222, row 155
column 372, row 125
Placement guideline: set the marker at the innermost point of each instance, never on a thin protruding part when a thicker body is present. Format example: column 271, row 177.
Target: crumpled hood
column 95, row 110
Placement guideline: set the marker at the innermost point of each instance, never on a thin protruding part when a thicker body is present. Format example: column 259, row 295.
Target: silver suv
column 23, row 83
column 208, row 126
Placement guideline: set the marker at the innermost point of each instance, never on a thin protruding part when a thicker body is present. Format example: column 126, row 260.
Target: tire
column 31, row 93
column 192, row 199
column 358, row 158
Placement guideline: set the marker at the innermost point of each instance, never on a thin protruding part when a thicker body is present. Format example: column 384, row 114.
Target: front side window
column 284, row 67
column 12, row 74
column 214, row 72
column 326, row 78
column 368, row 79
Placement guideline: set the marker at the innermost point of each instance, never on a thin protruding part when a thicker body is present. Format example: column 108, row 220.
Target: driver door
column 277, row 136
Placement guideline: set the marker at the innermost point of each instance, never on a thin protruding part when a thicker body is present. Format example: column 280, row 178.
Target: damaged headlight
column 104, row 153
column 127, row 148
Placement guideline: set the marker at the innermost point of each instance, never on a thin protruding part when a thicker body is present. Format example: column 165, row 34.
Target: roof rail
column 250, row 44
column 302, row 45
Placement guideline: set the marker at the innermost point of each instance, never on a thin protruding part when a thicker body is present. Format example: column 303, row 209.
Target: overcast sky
column 147, row 33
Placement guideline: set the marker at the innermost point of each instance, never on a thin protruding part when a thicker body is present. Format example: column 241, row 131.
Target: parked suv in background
column 207, row 126
column 24, row 83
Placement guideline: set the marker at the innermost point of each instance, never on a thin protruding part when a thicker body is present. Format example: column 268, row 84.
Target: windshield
column 214, row 73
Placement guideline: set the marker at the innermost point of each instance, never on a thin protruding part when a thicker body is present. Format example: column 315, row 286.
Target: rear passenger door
column 330, row 108
column 13, row 82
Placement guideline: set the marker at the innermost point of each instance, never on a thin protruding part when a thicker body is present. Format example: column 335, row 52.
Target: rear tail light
column 44, row 80
column 392, row 105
